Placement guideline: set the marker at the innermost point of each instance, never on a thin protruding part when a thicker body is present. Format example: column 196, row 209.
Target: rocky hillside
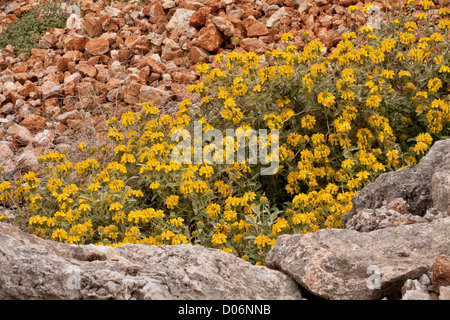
column 390, row 249
column 110, row 57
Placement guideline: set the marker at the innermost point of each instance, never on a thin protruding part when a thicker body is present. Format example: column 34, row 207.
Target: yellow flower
column 411, row 26
column 82, row 146
column 362, row 175
column 426, row 4
column 348, row 95
column 421, row 15
column 407, row 38
column 128, row 119
column 84, row 207
column 116, row 206
column 444, row 11
column 367, row 7
column 176, row 221
column 167, row 235
column 172, row 201
column 308, row 122
column 373, row 101
column 400, row 56
column 347, row 164
column 388, row 74
column 287, row 37
column 444, row 24
column 352, row 8
column 434, row 84
column 213, row 210
column 404, row 73
column 218, row 239
column 154, row 185
column 59, row 234
column 377, row 56
column 423, row 140
column 326, row 99
column 366, row 29
column 202, row 68
column 179, row 239
column 257, row 88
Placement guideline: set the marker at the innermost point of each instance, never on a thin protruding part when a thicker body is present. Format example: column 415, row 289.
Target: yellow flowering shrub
column 375, row 104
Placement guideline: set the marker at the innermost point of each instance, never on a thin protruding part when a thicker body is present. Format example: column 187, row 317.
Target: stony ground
column 115, row 55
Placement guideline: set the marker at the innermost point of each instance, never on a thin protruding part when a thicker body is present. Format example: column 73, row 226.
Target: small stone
column 441, row 272
column 424, row 280
column 179, row 22
column 43, row 138
column 413, row 285
column 74, row 41
column 34, row 123
column 158, row 96
column 20, row 134
column 5, row 152
column 224, row 25
column 198, row 18
column 416, row 295
column 92, row 27
column 210, row 38
column 254, row 45
column 51, row 89
column 444, row 293
column 86, row 70
column 97, row 46
column 254, row 28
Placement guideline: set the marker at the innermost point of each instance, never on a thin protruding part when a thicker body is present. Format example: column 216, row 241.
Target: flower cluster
column 375, row 104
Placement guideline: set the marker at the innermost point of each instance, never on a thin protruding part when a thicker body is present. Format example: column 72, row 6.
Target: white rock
column 276, row 18
column 180, row 21
column 43, row 138
column 113, row 12
column 73, row 22
column 416, row 295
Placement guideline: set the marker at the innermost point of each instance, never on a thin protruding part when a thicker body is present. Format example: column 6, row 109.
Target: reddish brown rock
column 225, row 26
column 86, row 70
column 34, row 123
column 347, row 3
column 26, row 89
column 131, row 93
column 156, row 12
column 254, row 28
column 198, row 54
column 50, row 89
column 198, row 18
column 210, row 38
column 97, row 46
column 184, row 77
column 441, row 272
column 74, row 41
column 20, row 134
column 5, row 152
column 110, row 25
column 155, row 66
column 158, row 96
column 92, row 27
column 253, row 44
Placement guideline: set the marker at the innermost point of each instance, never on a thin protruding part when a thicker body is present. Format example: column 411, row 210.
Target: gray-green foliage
column 25, row 32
